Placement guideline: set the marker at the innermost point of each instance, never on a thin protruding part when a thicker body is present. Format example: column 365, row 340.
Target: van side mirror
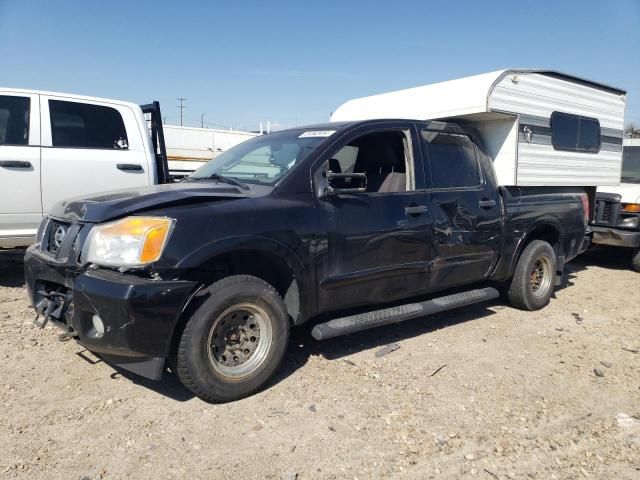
column 342, row 183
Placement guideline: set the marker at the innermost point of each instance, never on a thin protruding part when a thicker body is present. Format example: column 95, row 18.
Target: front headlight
column 130, row 242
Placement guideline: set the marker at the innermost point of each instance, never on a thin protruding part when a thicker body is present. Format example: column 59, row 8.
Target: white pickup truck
column 55, row 146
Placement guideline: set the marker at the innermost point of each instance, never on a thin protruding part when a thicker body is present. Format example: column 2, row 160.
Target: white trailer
column 189, row 148
column 541, row 128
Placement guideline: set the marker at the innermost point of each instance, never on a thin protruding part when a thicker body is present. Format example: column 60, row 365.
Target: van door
column 20, row 200
column 89, row 147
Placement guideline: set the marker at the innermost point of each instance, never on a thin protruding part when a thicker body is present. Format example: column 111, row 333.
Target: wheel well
column 265, row 266
column 546, row 232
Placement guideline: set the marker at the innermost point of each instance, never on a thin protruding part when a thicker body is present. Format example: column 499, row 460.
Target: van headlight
column 130, row 242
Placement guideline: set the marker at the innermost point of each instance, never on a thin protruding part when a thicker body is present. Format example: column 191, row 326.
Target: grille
column 606, row 212
column 57, row 233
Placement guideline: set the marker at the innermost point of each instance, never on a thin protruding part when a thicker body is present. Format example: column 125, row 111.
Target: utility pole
column 181, row 107
column 202, row 120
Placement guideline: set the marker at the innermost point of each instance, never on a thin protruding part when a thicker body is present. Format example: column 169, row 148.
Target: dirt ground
column 485, row 392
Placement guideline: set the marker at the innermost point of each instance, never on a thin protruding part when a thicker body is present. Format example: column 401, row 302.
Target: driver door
column 377, row 242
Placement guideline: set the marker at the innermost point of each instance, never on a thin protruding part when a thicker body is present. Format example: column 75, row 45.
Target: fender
column 259, row 244
column 522, row 240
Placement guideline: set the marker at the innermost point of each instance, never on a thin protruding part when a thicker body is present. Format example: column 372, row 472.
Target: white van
column 55, row 146
column 617, row 216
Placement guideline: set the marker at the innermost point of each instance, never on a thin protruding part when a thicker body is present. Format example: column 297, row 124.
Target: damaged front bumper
column 136, row 316
column 616, row 237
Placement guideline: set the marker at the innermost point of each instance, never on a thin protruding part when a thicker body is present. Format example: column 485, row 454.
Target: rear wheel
column 635, row 259
column 234, row 341
column 534, row 278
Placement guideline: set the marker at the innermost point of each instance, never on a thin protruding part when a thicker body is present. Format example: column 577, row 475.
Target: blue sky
column 241, row 62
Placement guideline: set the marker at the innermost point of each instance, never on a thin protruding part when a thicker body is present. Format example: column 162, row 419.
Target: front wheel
column 234, row 341
column 635, row 259
column 534, row 278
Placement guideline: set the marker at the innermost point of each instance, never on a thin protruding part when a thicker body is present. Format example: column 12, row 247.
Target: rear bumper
column 139, row 314
column 616, row 237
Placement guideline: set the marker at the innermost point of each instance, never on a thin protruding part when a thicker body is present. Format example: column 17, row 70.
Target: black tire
column 635, row 259
column 527, row 290
column 199, row 361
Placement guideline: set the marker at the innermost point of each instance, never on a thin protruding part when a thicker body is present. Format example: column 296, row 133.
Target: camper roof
column 463, row 96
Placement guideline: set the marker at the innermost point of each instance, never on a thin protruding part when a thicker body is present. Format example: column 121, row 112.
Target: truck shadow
column 605, row 257
column 169, row 386
column 11, row 268
column 302, row 345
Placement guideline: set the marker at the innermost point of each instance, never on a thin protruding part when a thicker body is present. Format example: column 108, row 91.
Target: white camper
column 541, row 128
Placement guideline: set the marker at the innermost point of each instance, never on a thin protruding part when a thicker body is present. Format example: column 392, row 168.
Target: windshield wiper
column 630, row 179
column 223, row 178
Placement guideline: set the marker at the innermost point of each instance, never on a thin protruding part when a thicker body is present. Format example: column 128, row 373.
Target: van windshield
column 631, row 165
column 264, row 159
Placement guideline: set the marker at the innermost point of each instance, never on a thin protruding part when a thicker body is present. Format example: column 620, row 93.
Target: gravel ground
column 490, row 392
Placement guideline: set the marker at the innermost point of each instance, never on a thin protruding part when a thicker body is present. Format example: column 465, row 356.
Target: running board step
column 377, row 318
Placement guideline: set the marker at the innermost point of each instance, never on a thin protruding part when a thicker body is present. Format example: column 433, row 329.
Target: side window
column 80, row 125
column 575, row 133
column 14, row 120
column 453, row 160
column 385, row 158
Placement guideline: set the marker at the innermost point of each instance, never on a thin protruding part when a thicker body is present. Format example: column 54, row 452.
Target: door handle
column 130, row 167
column 415, row 210
column 14, row 164
column 487, row 203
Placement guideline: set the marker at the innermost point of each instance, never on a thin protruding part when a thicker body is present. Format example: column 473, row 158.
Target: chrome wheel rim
column 541, row 275
column 239, row 340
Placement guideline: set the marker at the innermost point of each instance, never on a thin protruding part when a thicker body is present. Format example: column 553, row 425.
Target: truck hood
column 119, row 203
column 630, row 192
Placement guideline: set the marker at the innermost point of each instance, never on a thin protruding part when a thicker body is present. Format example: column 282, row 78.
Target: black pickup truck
column 346, row 225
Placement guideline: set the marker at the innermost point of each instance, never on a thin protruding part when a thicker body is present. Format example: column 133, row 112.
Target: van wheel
column 534, row 278
column 635, row 259
column 235, row 340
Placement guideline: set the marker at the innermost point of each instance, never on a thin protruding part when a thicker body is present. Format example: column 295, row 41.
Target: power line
column 181, row 107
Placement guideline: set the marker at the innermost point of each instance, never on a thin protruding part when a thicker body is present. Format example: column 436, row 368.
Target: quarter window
column 80, row 125
column 453, row 160
column 14, row 120
column 575, row 133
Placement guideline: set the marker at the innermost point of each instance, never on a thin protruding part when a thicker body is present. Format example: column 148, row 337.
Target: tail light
column 585, row 207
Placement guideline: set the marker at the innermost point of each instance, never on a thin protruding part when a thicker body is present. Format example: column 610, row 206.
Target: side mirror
column 342, row 183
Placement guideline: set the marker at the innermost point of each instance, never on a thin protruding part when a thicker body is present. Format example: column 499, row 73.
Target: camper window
column 575, row 133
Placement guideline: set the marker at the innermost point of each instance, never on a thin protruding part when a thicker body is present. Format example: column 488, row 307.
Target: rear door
column 90, row 147
column 465, row 208
column 20, row 200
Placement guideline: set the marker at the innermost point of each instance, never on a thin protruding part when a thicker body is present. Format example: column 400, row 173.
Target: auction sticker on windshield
column 317, row 133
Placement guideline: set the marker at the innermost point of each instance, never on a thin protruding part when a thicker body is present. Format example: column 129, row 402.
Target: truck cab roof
column 70, row 96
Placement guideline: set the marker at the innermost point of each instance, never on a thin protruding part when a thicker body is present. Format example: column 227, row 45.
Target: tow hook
column 53, row 306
